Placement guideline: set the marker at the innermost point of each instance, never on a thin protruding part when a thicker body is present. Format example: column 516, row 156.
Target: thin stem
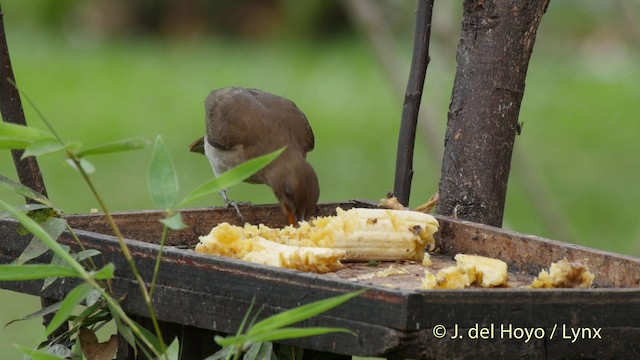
column 40, row 115
column 123, row 247
column 156, row 269
column 90, row 260
column 77, row 240
column 114, row 305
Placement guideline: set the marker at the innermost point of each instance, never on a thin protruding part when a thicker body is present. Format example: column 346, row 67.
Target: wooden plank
column 614, row 343
column 213, row 293
column 530, row 253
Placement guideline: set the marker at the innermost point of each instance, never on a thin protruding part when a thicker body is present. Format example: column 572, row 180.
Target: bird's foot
column 236, row 205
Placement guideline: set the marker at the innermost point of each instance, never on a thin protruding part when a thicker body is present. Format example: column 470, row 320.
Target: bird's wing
column 231, row 117
column 292, row 125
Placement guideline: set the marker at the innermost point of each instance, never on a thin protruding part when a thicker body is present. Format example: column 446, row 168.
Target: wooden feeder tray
column 392, row 319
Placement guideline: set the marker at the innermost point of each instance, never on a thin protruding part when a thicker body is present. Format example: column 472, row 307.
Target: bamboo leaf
column 37, row 230
column 6, row 143
column 124, row 330
column 259, row 351
column 162, row 180
column 93, row 297
column 25, row 191
column 42, row 312
column 173, row 351
column 222, row 354
column 11, row 272
column 105, row 273
column 84, row 164
column 174, row 222
column 37, row 354
column 22, row 133
column 60, row 350
column 294, row 333
column 300, row 313
column 73, row 299
column 85, row 254
column 57, row 261
column 92, row 306
column 150, row 337
column 117, row 146
column 54, row 227
column 42, row 147
column 232, row 177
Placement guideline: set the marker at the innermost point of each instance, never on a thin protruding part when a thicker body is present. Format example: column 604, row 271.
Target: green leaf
column 150, row 338
column 93, row 297
column 36, row 354
column 42, row 147
column 44, row 311
column 162, row 179
column 38, row 231
column 54, row 227
column 25, row 191
column 232, row 177
column 21, row 133
column 173, row 351
column 57, row 261
column 84, row 164
column 222, row 354
column 259, row 351
column 117, row 146
column 174, row 222
column 300, row 313
column 59, row 350
column 85, row 254
column 73, row 299
column 294, row 333
column 6, row 143
column 13, row 272
column 123, row 330
column 105, row 273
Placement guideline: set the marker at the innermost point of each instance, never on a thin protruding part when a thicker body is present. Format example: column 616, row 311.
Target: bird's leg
column 231, row 203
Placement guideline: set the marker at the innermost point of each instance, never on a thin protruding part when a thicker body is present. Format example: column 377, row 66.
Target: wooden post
column 493, row 56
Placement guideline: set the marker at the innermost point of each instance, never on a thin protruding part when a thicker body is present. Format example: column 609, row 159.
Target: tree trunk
column 493, row 55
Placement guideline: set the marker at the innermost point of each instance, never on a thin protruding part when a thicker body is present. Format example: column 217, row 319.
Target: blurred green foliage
column 98, row 84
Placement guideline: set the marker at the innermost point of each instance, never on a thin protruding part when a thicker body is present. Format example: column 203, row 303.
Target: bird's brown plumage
column 242, row 124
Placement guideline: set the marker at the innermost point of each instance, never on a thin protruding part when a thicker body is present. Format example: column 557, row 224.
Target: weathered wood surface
column 213, row 293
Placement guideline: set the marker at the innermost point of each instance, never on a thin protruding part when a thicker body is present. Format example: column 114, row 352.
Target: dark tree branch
column 493, row 56
column 11, row 109
column 413, row 96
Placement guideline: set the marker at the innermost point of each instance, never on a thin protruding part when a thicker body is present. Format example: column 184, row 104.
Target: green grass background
column 580, row 116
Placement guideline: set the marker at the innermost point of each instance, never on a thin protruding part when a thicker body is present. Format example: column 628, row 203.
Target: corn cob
column 353, row 235
column 365, row 234
column 231, row 241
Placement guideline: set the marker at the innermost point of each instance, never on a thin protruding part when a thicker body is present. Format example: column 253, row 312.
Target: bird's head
column 296, row 186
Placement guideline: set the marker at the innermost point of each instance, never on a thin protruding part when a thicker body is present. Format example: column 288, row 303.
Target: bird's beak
column 197, row 146
column 290, row 215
